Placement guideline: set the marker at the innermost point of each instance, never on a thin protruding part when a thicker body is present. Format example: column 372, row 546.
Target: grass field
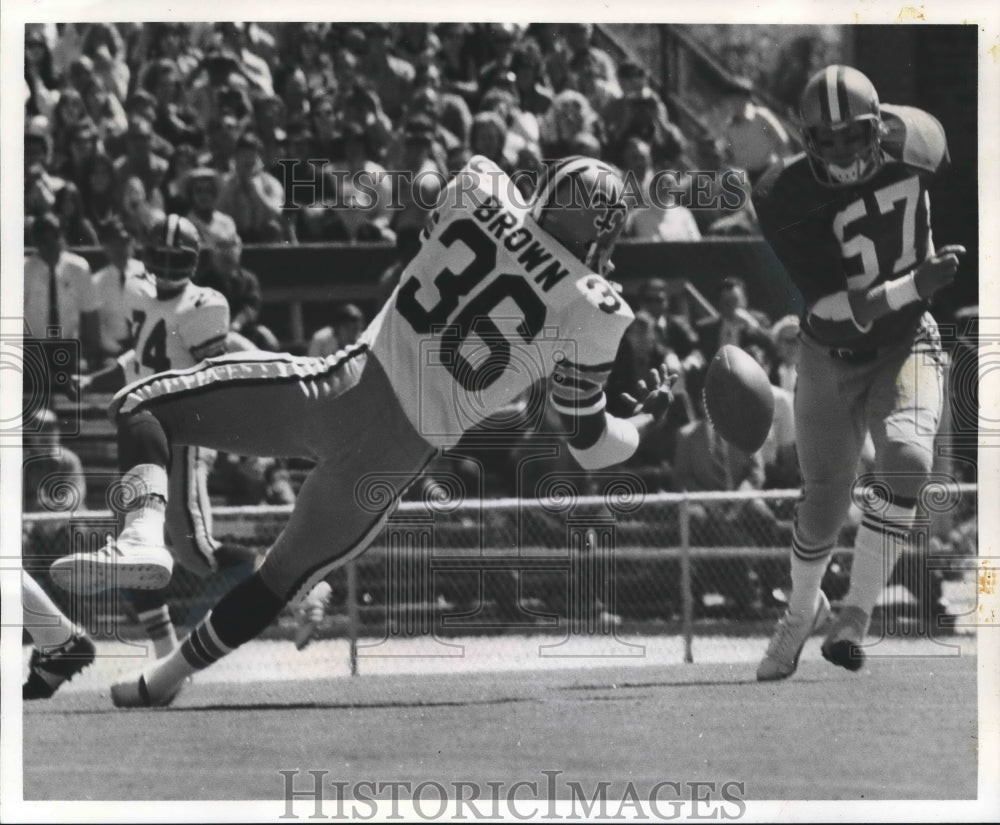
column 903, row 728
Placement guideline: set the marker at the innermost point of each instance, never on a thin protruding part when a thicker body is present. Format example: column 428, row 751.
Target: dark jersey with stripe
column 831, row 240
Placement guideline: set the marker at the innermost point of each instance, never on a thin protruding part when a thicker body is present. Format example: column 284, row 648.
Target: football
column 738, row 399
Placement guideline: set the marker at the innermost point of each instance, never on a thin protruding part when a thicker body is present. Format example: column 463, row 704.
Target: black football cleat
column 48, row 671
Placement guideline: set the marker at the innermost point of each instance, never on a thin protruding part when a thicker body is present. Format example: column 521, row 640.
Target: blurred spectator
column 313, row 59
column 672, row 329
column 104, row 46
column 216, row 229
column 40, row 186
column 578, row 37
column 417, row 44
column 68, row 112
column 219, row 85
column 502, row 37
column 347, row 324
column 658, row 217
column 109, row 288
column 734, row 322
column 785, row 334
column 141, row 162
column 137, row 212
column 269, row 115
column 84, row 144
column 754, row 136
column 638, row 112
column 364, row 107
column 54, row 480
column 223, row 135
column 168, row 41
column 106, row 112
column 77, row 229
column 241, row 288
column 233, row 39
column 293, row 89
column 571, row 114
column 251, row 196
column 99, row 196
column 173, row 118
column 530, row 82
column 458, row 67
column 324, row 122
column 175, row 189
column 391, row 77
column 365, row 190
column 141, row 104
column 488, row 137
column 522, row 127
column 58, row 292
column 586, row 77
column 798, row 61
column 39, row 74
column 421, row 184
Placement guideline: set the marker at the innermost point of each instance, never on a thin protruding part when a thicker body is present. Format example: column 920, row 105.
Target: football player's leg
column 61, row 648
column 267, row 404
column 830, row 433
column 330, row 524
column 904, row 412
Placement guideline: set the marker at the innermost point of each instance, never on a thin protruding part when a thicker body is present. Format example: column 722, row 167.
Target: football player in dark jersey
column 850, row 221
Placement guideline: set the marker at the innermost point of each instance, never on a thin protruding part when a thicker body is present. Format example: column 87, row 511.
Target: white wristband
column 617, row 443
column 902, row 291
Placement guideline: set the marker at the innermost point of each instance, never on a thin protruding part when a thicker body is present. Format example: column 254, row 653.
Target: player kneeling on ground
column 499, row 294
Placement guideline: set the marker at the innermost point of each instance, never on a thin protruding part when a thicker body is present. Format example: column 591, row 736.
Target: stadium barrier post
column 352, row 615
column 687, row 606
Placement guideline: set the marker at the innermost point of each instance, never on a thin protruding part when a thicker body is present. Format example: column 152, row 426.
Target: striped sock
column 159, row 629
column 808, row 567
column 199, row 650
column 882, row 537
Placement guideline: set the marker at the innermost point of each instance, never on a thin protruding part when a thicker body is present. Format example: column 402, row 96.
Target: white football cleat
column 782, row 657
column 135, row 694
column 128, row 562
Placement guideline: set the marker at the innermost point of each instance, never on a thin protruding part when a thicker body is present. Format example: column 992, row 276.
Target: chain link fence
column 594, row 569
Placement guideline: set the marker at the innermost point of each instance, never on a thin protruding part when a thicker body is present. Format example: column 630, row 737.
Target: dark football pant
column 897, row 397
column 339, row 411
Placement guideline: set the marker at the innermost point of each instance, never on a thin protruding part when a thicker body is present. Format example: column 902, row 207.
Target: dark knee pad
column 245, row 611
column 142, row 440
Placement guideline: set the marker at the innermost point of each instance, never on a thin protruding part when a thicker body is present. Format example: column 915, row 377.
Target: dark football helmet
column 171, row 252
column 842, row 126
column 580, row 202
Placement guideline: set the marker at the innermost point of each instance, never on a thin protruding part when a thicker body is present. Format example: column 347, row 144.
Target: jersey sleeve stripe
column 578, row 407
column 211, row 343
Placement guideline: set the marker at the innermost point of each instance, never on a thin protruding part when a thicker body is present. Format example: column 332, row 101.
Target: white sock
column 43, row 620
column 146, row 485
column 199, row 650
column 881, row 539
column 808, row 568
column 160, row 629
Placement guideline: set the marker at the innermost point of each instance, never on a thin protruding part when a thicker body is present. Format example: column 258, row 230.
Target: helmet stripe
column 830, row 102
column 171, row 229
column 842, row 97
column 562, row 169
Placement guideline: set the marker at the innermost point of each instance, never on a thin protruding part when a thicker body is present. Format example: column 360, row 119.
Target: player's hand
column 652, row 395
column 77, row 386
column 938, row 270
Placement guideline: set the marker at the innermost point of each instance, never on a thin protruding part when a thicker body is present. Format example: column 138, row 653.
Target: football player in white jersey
column 174, row 324
column 498, row 296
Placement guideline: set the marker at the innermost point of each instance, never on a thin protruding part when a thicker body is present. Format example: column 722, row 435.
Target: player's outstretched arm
column 922, row 282
column 652, row 399
column 108, row 380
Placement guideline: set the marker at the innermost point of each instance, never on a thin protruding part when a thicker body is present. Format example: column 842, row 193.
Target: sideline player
column 60, row 649
column 850, row 221
column 498, row 296
column 174, row 325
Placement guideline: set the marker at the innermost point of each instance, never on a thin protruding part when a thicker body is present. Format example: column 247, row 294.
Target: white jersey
column 490, row 305
column 173, row 333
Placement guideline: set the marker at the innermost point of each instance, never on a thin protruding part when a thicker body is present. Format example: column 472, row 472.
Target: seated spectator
column 100, row 198
column 363, row 106
column 216, row 229
column 347, row 324
column 501, row 39
column 141, row 162
column 40, row 186
column 58, row 293
column 109, row 288
column 456, row 62
column 530, row 82
column 314, row 60
column 364, row 189
column 54, row 481
column 586, row 77
column 639, row 112
column 578, row 38
column 754, row 137
column 734, row 322
column 673, row 328
column 106, row 112
column 39, row 74
column 104, row 46
column 391, row 77
column 68, row 112
column 141, row 104
column 417, row 44
column 571, row 114
column 173, row 118
column 488, row 137
column 166, row 41
column 251, row 196
column 269, row 116
column 522, row 127
column 138, row 213
column 77, row 229
column 293, row 89
column 84, row 144
column 785, row 334
column 251, row 480
column 323, row 117
column 214, row 83
column 175, row 187
column 234, row 38
column 421, row 185
column 652, row 219
column 223, row 135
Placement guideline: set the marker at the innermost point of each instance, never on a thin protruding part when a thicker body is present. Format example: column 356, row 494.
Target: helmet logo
column 611, row 220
